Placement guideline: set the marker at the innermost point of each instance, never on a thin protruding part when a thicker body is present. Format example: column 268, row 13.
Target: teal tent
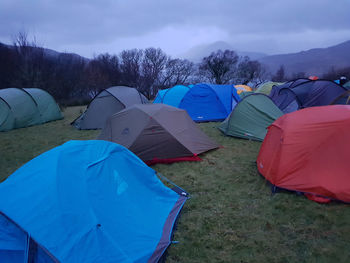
column 347, row 85
column 26, row 107
column 172, row 96
column 88, row 202
column 251, row 117
column 160, row 95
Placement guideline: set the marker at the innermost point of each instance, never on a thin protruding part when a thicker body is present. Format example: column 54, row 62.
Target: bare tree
column 130, row 67
column 100, row 73
column 250, row 71
column 8, row 66
column 298, row 75
column 220, row 66
column 280, row 75
column 109, row 64
column 31, row 61
column 177, row 71
column 66, row 77
column 153, row 63
column 336, row 73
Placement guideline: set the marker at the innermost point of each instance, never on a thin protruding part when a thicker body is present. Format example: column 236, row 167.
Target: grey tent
column 105, row 104
column 157, row 133
column 26, row 107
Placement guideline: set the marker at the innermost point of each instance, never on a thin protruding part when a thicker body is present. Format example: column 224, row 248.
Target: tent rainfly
column 21, row 108
column 106, row 103
column 302, row 93
column 251, row 117
column 172, row 96
column 160, row 95
column 242, row 88
column 306, row 151
column 208, row 102
column 157, row 133
column 265, row 88
column 86, row 201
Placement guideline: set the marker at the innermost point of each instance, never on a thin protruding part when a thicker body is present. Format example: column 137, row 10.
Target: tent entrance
column 18, row 247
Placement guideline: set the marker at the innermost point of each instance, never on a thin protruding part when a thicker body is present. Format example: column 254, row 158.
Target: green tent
column 245, row 94
column 26, row 107
column 265, row 88
column 251, row 117
column 347, row 85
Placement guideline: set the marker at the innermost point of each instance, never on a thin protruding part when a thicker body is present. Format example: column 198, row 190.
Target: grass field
column 232, row 216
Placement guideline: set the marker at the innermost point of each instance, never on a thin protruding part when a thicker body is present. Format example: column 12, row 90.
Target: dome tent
column 347, row 85
column 157, row 133
column 251, row 117
column 303, row 93
column 160, row 95
column 172, row 96
column 106, row 103
column 98, row 202
column 208, row 102
column 242, row 88
column 266, row 87
column 21, row 108
column 343, row 99
column 244, row 94
column 306, row 151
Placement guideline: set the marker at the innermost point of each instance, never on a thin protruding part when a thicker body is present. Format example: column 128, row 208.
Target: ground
column 232, row 215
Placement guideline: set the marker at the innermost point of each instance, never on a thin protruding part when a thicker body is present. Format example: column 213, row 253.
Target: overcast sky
column 93, row 27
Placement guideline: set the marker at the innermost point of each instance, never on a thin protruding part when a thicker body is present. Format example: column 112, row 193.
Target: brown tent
column 105, row 104
column 157, row 133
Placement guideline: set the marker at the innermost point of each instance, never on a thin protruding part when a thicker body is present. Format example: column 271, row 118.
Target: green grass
column 231, row 216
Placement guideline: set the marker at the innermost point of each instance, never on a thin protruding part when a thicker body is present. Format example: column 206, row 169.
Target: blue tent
column 86, row 201
column 160, row 95
column 173, row 96
column 208, row 102
column 303, row 93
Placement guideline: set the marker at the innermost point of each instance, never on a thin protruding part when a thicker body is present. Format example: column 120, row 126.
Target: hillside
column 52, row 53
column 313, row 62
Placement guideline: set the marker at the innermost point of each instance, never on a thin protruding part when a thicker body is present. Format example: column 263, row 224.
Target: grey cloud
column 92, row 24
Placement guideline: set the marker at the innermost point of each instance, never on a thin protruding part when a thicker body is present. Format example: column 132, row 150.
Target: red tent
column 309, row 151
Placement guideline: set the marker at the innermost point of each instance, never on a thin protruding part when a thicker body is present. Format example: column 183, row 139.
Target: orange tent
column 242, row 88
column 309, row 151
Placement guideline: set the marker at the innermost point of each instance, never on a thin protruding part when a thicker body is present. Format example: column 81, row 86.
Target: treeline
column 72, row 79
column 332, row 74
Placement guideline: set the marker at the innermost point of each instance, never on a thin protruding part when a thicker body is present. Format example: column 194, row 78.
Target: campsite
column 174, row 131
column 231, row 215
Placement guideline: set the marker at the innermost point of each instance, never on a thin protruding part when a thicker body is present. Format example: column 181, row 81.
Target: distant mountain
column 196, row 53
column 56, row 54
column 313, row 62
